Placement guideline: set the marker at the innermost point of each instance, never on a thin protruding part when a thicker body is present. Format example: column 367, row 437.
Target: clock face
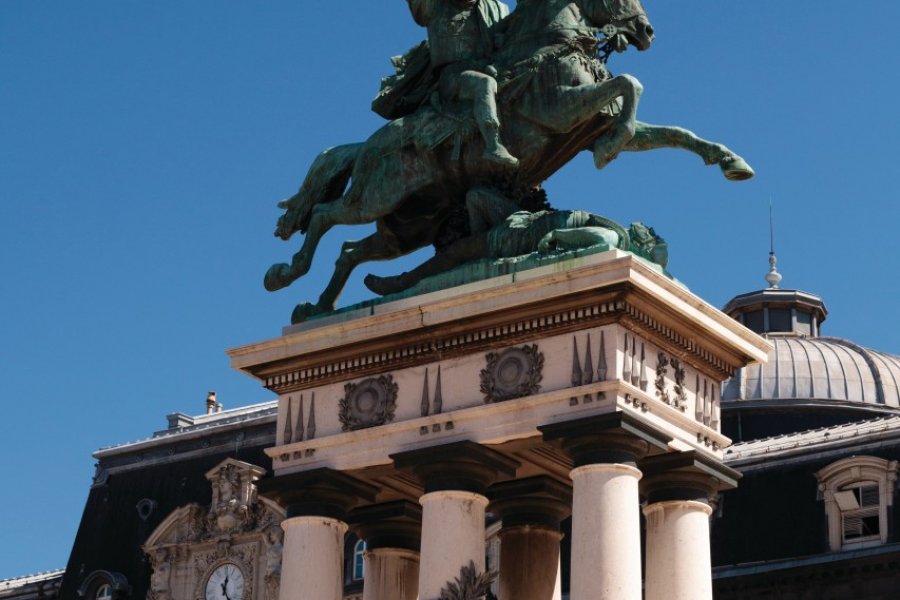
column 225, row 583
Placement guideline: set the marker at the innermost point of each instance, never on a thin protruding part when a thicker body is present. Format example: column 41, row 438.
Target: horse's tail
column 325, row 182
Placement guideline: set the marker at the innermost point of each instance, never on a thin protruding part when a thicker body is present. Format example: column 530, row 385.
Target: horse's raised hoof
column 302, row 312
column 736, row 168
column 277, row 277
column 382, row 285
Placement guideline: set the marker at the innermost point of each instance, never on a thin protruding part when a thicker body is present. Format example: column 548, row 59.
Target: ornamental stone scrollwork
column 512, row 373
column 161, row 562
column 237, row 528
column 369, row 403
column 470, row 585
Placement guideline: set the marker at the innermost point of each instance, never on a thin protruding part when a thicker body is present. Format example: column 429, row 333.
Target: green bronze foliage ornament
column 470, row 585
column 492, row 105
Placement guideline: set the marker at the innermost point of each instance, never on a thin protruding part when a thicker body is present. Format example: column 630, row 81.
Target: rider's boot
column 494, row 150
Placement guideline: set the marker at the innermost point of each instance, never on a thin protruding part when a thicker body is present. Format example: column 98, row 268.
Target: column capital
column 320, row 492
column 611, row 438
column 541, row 500
column 463, row 466
column 389, row 525
column 685, row 476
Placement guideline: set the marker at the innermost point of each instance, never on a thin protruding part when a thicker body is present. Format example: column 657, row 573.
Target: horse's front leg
column 378, row 246
column 650, row 137
column 607, row 147
column 282, row 275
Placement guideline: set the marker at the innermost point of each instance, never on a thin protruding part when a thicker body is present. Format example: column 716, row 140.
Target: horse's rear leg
column 378, row 246
column 650, row 137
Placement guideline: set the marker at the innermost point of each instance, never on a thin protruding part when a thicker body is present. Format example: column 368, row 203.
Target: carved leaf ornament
column 470, row 585
column 369, row 403
column 512, row 373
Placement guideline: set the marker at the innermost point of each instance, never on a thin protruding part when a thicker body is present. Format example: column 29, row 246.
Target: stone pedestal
column 437, row 397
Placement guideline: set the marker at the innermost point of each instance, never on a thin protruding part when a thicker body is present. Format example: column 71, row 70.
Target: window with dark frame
column 860, row 505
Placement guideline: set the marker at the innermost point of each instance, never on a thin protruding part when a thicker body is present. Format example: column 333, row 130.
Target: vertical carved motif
column 311, row 427
column 643, row 379
column 626, row 367
column 425, row 405
column 576, row 364
column 662, row 362
column 438, row 394
column 701, row 401
column 298, row 430
column 288, row 432
column 680, row 400
column 602, row 370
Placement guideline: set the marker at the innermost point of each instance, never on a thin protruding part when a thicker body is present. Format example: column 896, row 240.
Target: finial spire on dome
column 773, row 277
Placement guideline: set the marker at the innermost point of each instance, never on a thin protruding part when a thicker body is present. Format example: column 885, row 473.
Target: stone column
column 677, row 488
column 606, row 534
column 455, row 477
column 316, row 502
column 392, row 533
column 312, row 559
column 531, row 510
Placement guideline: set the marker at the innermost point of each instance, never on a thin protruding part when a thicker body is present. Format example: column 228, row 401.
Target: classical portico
column 580, row 390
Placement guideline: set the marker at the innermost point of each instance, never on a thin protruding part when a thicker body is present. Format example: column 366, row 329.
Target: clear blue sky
column 143, row 146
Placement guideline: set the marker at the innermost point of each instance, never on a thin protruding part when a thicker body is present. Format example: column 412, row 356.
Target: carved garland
column 513, row 373
column 369, row 403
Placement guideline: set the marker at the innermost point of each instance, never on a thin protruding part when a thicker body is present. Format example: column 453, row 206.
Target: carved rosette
column 512, row 373
column 369, row 403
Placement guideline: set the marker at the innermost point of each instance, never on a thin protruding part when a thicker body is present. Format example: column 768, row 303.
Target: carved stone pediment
column 237, row 528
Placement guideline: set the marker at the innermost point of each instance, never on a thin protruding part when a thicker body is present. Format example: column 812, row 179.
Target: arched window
column 104, row 592
column 858, row 492
column 359, row 564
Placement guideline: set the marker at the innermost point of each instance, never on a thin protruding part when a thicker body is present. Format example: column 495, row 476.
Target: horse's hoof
column 736, row 168
column 277, row 277
column 381, row 285
column 302, row 312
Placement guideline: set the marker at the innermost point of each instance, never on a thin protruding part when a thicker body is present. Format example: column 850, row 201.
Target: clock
column 226, row 582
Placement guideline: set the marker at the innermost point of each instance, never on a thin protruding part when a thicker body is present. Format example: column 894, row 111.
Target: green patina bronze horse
column 412, row 177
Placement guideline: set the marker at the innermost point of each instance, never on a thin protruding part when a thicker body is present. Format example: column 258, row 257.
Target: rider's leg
column 481, row 89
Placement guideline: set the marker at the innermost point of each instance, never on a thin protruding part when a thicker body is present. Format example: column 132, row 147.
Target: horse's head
column 646, row 243
column 627, row 17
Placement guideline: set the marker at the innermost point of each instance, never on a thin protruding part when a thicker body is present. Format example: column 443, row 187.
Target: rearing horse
column 557, row 100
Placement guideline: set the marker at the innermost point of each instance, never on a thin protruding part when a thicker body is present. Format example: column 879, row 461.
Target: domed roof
column 805, row 370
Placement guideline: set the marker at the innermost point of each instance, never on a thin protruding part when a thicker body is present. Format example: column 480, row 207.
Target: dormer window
column 858, row 493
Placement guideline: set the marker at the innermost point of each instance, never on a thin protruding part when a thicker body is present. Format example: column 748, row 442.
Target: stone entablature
column 490, row 362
